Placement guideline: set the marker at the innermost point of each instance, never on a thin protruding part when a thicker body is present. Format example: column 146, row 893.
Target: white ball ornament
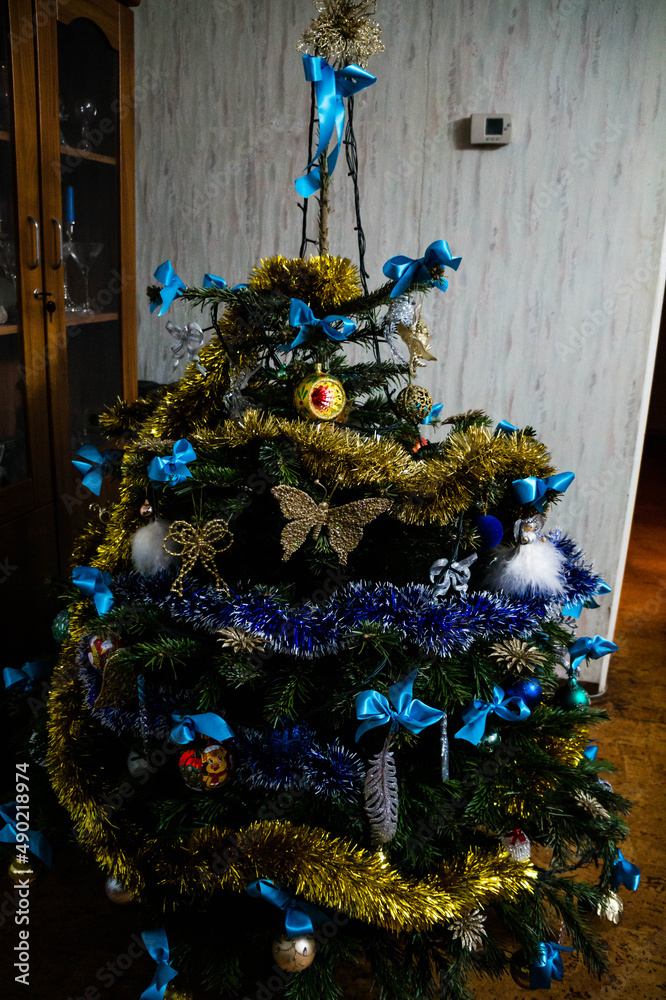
column 294, row 954
column 148, row 555
column 116, row 892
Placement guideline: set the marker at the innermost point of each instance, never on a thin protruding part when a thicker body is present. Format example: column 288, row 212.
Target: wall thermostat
column 490, row 130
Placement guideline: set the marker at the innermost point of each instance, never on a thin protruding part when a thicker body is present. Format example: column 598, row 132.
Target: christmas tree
column 330, row 645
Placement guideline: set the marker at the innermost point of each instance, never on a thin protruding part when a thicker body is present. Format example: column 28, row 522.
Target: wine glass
column 85, row 113
column 85, row 255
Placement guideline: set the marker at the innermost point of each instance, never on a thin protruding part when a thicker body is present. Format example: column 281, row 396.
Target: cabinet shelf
column 4, row 136
column 74, row 319
column 8, row 328
column 85, row 154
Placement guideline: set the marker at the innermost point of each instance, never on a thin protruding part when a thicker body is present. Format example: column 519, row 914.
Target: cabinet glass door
column 88, row 108
column 14, row 452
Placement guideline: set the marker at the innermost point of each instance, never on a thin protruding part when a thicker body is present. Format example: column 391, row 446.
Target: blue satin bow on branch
column 95, row 468
column 591, row 751
column 208, row 723
column 173, row 469
column 504, row 427
column 434, row 413
column 36, row 842
column 302, row 316
column 533, row 490
column 547, row 965
column 574, row 608
column 476, row 715
column 95, row 584
column 406, row 271
column 299, row 917
column 158, row 948
column 173, row 286
column 590, row 647
column 373, row 709
column 624, row 873
column 331, row 86
column 215, row 281
column 24, row 677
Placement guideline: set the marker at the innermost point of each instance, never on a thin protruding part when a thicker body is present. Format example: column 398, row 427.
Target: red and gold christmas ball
column 99, row 649
column 207, row 766
column 320, row 396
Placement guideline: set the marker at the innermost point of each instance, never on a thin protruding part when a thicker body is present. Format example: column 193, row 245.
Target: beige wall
column 548, row 320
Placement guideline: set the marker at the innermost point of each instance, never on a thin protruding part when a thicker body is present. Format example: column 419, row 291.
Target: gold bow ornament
column 198, row 542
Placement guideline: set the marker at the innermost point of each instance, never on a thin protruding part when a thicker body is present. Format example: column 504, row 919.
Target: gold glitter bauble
column 25, row 871
column 176, row 992
column 519, row 967
column 413, row 402
column 294, row 954
column 320, row 396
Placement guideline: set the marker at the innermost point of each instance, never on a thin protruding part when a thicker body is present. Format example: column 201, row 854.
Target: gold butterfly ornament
column 344, row 524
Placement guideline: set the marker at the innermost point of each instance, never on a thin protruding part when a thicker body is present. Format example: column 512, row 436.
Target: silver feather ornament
column 381, row 796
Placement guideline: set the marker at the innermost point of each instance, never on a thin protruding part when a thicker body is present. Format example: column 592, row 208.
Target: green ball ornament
column 571, row 696
column 489, row 739
column 60, row 626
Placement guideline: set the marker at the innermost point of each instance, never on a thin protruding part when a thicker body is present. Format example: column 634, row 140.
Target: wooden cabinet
column 67, row 276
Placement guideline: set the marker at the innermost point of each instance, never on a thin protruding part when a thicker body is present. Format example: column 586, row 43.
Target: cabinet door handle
column 57, row 225
column 35, row 226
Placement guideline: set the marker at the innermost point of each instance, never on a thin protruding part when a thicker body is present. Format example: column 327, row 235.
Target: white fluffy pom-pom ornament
column 533, row 566
column 148, row 555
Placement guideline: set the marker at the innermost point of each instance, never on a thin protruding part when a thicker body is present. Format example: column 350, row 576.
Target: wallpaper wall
column 548, row 321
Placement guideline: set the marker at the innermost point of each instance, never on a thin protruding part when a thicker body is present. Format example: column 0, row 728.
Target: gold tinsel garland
column 429, row 492
column 344, row 32
column 321, row 282
column 328, row 871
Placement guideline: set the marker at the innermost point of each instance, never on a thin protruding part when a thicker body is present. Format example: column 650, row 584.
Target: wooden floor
column 81, row 943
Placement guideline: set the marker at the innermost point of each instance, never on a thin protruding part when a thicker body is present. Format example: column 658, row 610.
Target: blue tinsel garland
column 438, row 627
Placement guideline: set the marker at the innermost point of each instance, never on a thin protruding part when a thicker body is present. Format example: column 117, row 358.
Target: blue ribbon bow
column 406, row 271
column 476, row 715
column 299, row 917
column 24, row 677
column 504, row 427
column 533, row 490
column 208, row 723
column 173, row 286
column 173, row 469
column 95, row 468
column 37, row 842
column 158, row 948
column 95, row 584
column 434, row 413
column 302, row 316
column 374, row 709
column 624, row 873
column 215, row 281
column 331, row 86
column 547, row 965
column 574, row 608
column 590, row 647
column 591, row 751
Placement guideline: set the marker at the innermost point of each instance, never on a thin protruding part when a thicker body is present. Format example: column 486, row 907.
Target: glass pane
column 13, row 446
column 89, row 115
column 93, row 359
